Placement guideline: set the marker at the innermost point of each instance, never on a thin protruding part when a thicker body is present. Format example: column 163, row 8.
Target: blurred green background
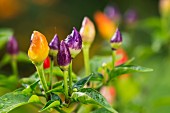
column 59, row 16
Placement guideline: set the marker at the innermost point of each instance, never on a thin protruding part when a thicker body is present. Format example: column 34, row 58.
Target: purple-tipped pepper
column 54, row 46
column 12, row 46
column 131, row 17
column 63, row 56
column 12, row 49
column 116, row 40
column 74, row 43
column 64, row 60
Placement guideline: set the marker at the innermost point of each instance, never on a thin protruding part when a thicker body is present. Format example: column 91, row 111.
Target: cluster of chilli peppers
column 43, row 54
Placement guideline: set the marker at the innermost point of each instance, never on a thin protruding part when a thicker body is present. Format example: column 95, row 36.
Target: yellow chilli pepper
column 39, row 48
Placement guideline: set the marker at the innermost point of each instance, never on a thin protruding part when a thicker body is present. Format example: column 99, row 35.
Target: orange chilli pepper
column 39, row 48
column 105, row 25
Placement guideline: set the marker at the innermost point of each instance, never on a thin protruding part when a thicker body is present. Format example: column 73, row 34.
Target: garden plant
column 54, row 87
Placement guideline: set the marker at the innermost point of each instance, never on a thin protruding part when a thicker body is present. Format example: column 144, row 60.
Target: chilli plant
column 55, row 87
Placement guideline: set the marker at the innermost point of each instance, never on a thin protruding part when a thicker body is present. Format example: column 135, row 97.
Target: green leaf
column 4, row 36
column 80, row 84
column 128, row 69
column 97, row 62
column 54, row 102
column 35, row 99
column 91, row 96
column 50, row 104
column 5, row 60
column 128, row 62
column 23, row 57
column 12, row 100
column 9, row 82
column 97, row 77
column 101, row 110
column 150, row 23
column 57, row 89
column 30, row 88
column 27, row 81
column 57, row 84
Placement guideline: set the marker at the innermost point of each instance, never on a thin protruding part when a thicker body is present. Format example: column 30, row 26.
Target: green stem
column 14, row 66
column 51, row 72
column 40, row 71
column 113, row 59
column 65, row 83
column 86, row 59
column 70, row 78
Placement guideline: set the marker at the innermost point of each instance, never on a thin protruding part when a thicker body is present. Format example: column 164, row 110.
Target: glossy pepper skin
column 74, row 43
column 39, row 49
column 46, row 63
column 87, row 31
column 116, row 40
column 63, row 56
column 12, row 46
column 54, row 46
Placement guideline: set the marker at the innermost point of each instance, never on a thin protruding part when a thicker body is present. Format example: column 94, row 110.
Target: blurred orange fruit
column 105, row 25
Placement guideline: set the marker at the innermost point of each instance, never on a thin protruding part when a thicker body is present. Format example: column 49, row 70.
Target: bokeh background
column 142, row 41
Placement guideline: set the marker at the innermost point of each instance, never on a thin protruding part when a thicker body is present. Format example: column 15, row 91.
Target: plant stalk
column 51, row 72
column 113, row 59
column 86, row 59
column 65, row 84
column 70, row 78
column 40, row 71
column 14, row 66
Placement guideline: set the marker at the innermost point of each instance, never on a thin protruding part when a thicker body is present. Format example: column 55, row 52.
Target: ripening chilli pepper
column 87, row 31
column 63, row 56
column 39, row 49
column 105, row 25
column 74, row 43
column 38, row 52
column 116, row 40
column 12, row 46
column 46, row 63
column 54, row 46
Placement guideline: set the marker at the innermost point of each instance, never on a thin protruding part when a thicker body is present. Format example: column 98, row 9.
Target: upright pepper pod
column 12, row 46
column 54, row 46
column 38, row 50
column 63, row 56
column 116, row 40
column 74, row 43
